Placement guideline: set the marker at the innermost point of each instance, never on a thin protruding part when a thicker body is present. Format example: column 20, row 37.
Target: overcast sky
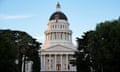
column 32, row 16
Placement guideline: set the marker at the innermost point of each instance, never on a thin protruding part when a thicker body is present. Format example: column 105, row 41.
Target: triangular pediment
column 59, row 48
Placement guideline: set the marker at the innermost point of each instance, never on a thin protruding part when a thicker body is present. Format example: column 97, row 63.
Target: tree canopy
column 8, row 54
column 13, row 45
column 102, row 47
column 82, row 57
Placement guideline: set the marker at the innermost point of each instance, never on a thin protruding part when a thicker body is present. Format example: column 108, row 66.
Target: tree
column 82, row 57
column 104, row 46
column 32, row 53
column 8, row 54
column 31, row 50
column 24, row 44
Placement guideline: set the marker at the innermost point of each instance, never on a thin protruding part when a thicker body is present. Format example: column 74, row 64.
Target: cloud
column 39, row 38
column 11, row 17
column 74, row 40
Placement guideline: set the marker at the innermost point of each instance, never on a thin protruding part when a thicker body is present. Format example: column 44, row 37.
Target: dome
column 58, row 15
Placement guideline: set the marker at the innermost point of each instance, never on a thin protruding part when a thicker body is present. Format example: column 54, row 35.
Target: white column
column 41, row 62
column 66, row 36
column 23, row 62
column 49, row 62
column 65, row 27
column 70, row 37
column 55, row 62
column 52, row 35
column 66, row 62
column 45, row 37
column 61, row 64
column 44, row 62
column 57, row 36
column 63, row 36
column 70, row 64
column 48, row 36
column 58, row 27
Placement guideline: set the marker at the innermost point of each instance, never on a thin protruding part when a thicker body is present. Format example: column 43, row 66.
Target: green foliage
column 82, row 57
column 22, row 43
column 104, row 46
column 8, row 54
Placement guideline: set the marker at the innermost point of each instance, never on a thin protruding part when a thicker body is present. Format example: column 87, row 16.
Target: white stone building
column 57, row 48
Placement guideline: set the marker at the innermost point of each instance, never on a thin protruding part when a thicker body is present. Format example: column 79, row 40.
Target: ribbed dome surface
column 58, row 15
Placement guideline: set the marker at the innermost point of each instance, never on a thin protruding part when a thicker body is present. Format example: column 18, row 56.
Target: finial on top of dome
column 58, row 7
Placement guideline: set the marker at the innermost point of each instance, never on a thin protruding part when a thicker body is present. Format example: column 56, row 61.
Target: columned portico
column 55, row 62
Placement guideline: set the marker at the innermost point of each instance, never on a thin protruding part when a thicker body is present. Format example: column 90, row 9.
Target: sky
column 32, row 16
